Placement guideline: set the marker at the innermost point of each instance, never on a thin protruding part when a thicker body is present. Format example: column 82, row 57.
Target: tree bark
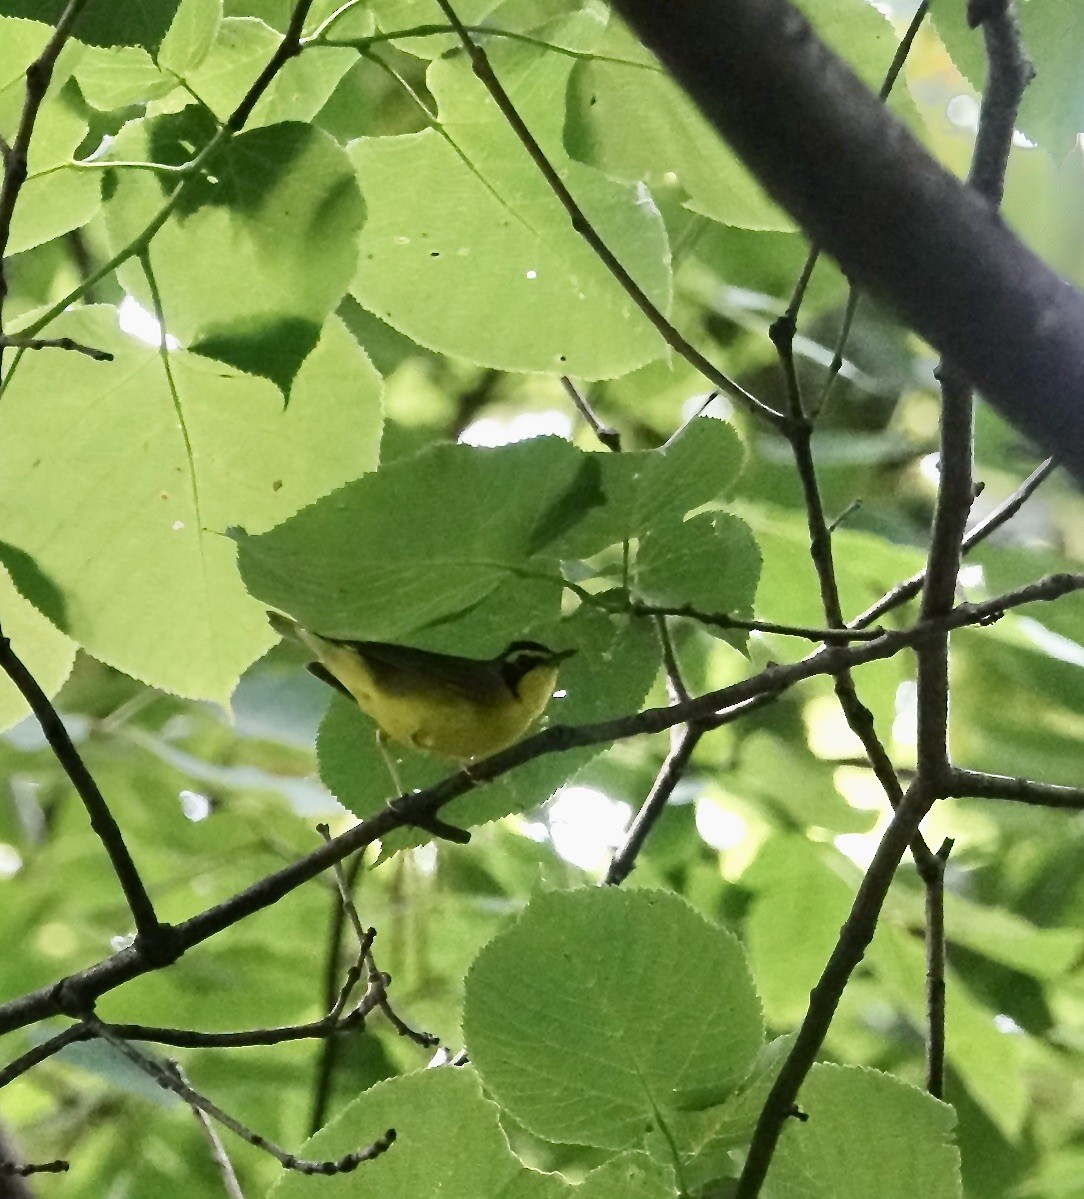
column 862, row 188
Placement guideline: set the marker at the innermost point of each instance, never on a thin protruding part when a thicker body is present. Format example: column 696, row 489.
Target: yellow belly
column 446, row 723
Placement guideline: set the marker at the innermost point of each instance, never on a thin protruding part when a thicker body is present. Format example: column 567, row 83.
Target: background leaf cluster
column 363, row 289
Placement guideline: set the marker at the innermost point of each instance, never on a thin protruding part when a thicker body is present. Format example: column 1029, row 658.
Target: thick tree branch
column 898, row 224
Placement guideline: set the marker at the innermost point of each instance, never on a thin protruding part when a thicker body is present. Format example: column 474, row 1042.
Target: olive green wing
column 403, row 669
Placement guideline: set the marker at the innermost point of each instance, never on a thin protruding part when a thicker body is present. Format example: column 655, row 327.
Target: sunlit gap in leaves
column 962, row 112
column 11, row 861
column 706, row 404
column 719, row 827
column 905, row 715
column 493, row 431
column 586, row 826
column 137, row 322
column 425, row 859
column 196, row 807
column 1054, row 645
column 862, row 791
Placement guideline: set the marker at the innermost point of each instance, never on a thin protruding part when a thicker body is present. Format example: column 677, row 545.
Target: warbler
column 456, row 708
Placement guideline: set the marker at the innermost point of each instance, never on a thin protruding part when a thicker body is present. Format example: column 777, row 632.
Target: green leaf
column 116, row 492
column 866, row 1134
column 278, row 205
column 120, row 23
column 47, row 654
column 799, row 903
column 434, row 1156
column 55, row 197
column 461, row 210
column 425, row 539
column 117, row 76
column 572, row 1015
column 797, row 784
column 239, row 52
column 632, row 122
column 630, row 1176
column 651, row 489
column 709, row 562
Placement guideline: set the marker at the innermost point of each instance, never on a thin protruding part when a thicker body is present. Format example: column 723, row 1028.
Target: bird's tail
column 316, row 645
column 284, row 626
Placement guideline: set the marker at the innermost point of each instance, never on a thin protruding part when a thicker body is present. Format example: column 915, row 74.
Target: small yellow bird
column 456, row 708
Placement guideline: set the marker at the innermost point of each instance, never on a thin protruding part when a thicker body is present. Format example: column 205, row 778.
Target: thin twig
column 376, row 997
column 836, row 365
column 15, row 1170
column 332, row 996
column 976, row 784
column 154, row 937
column 363, row 44
column 40, row 1053
column 672, row 772
column 170, row 1081
column 219, row 1156
column 675, row 684
column 1008, row 74
column 798, row 295
column 38, row 76
column 288, row 48
column 935, row 974
column 799, row 432
column 337, row 1020
column 1000, row 515
column 609, row 436
column 378, row 980
column 722, row 620
column 580, row 223
column 56, row 343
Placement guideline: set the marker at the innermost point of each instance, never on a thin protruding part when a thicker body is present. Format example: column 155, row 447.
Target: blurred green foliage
column 371, row 270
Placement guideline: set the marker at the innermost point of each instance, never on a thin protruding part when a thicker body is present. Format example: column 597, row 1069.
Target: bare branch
column 609, row 437
column 935, row 973
column 154, row 937
column 55, row 343
column 171, row 1080
column 1004, row 512
column 672, row 772
column 979, row 785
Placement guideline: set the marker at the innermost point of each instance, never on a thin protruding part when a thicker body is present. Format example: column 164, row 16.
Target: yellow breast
column 439, row 719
